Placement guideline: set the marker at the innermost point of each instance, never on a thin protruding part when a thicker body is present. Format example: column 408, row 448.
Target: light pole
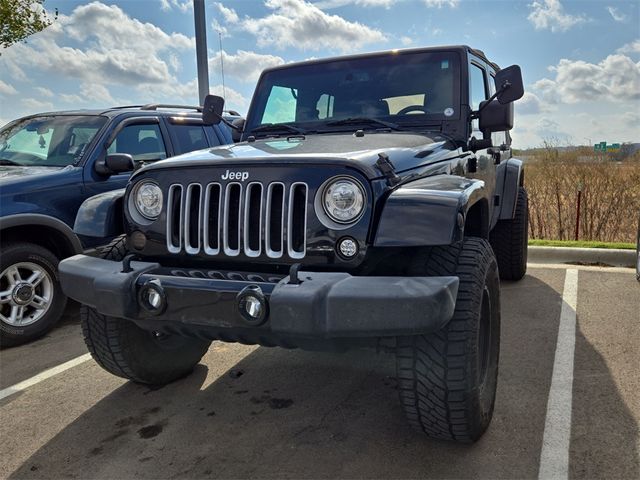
column 201, row 49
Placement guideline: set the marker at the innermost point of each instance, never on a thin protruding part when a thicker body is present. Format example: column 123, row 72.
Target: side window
column 281, row 105
column 189, row 138
column 325, row 106
column 142, row 142
column 478, row 90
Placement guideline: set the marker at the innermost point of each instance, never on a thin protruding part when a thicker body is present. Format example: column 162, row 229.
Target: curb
column 587, row 256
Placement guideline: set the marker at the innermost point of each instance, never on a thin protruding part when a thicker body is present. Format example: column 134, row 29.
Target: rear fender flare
column 426, row 212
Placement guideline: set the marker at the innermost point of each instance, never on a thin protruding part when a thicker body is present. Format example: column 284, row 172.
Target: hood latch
column 388, row 170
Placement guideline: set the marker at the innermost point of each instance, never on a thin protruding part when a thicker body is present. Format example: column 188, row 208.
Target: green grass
column 581, row 244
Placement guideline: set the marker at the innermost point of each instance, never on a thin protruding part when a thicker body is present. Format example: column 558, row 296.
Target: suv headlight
column 147, row 198
column 343, row 200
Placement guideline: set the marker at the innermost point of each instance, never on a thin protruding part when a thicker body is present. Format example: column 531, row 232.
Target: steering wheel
column 412, row 108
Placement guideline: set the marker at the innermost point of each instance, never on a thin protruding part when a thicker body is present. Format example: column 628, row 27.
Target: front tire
column 126, row 350
column 448, row 379
column 31, row 299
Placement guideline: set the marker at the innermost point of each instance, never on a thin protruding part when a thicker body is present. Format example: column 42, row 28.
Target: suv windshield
column 402, row 88
column 49, row 141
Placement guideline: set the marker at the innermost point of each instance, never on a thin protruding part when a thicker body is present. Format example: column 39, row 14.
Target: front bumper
column 321, row 305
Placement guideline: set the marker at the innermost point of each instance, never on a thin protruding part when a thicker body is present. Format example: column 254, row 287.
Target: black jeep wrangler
column 373, row 203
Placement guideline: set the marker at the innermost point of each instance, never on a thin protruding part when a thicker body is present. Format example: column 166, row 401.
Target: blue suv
column 49, row 164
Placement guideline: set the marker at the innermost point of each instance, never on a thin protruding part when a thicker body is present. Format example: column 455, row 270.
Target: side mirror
column 212, row 110
column 114, row 164
column 509, row 87
column 495, row 117
column 236, row 133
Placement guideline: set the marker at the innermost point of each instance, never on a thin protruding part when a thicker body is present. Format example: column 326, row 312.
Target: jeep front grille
column 233, row 218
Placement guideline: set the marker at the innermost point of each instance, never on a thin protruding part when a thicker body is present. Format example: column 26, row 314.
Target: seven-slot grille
column 233, row 218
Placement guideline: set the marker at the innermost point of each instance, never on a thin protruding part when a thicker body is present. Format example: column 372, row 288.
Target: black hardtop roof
column 459, row 48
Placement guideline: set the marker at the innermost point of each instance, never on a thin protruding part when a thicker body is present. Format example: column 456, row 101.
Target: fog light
column 252, row 305
column 138, row 240
column 348, row 247
column 152, row 297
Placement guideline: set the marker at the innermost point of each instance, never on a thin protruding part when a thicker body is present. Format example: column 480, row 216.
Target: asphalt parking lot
column 567, row 402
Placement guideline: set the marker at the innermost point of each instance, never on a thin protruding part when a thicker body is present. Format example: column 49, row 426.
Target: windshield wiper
column 6, row 161
column 364, row 121
column 278, row 127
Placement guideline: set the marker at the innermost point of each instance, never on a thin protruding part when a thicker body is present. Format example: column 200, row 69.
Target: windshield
column 49, row 141
column 404, row 89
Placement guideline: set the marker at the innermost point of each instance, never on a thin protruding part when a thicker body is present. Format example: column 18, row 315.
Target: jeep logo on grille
column 242, row 176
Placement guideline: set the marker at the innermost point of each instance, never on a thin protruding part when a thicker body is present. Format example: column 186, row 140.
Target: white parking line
column 554, row 458
column 29, row 382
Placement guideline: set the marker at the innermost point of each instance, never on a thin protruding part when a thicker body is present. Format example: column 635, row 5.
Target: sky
column 580, row 59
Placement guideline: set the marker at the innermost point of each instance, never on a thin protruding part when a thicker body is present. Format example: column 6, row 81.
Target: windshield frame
column 263, row 88
column 85, row 153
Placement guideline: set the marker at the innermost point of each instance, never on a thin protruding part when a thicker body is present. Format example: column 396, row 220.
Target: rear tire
column 126, row 350
column 509, row 240
column 448, row 379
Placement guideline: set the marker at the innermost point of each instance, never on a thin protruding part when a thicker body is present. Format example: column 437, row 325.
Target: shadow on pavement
column 295, row 414
column 605, row 435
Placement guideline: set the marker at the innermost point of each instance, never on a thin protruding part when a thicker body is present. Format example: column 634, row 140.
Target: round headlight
column 343, row 200
column 148, row 200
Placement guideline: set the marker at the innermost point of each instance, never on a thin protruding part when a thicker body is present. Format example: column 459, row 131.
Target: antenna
column 224, row 90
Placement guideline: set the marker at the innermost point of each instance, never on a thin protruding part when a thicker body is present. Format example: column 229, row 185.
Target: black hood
column 405, row 150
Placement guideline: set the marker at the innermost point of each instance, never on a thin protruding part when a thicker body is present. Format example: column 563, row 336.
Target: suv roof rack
column 126, row 106
column 155, row 106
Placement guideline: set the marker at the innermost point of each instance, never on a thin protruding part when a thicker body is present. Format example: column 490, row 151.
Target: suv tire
column 447, row 379
column 509, row 240
column 126, row 350
column 29, row 271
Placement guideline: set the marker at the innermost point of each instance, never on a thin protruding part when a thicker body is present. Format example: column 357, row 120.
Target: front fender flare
column 425, row 212
column 101, row 216
column 512, row 174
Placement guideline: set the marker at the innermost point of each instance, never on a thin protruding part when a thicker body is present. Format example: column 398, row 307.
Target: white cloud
column 529, row 104
column 44, row 92
column 441, row 3
column 34, row 106
column 633, row 47
column 615, row 78
column 7, row 89
column 246, row 66
column 616, row 14
column 550, row 15
column 299, row 24
column 182, row 5
column 97, row 92
column 228, row 14
column 71, row 98
column 328, row 4
column 406, row 41
column 115, row 48
column 550, row 130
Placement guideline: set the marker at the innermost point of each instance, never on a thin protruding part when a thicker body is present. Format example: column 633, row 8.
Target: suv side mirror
column 236, row 133
column 212, row 110
column 495, row 117
column 114, row 164
column 509, row 87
